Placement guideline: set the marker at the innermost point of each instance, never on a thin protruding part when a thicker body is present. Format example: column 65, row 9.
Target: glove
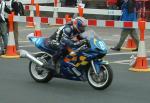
column 81, row 42
column 84, row 41
column 54, row 42
column 72, row 53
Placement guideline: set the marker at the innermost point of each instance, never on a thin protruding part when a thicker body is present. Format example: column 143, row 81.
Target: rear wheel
column 38, row 73
column 101, row 80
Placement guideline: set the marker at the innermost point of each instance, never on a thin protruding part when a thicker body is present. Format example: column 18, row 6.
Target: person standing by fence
column 63, row 3
column 18, row 9
column 128, row 14
column 119, row 3
column 3, row 26
column 68, row 3
column 147, row 6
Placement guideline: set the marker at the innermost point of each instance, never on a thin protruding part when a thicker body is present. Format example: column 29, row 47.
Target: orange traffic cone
column 55, row 14
column 68, row 18
column 37, row 31
column 31, row 24
column 37, row 10
column 80, row 9
column 11, row 51
column 141, row 63
column 130, row 44
column 55, row 3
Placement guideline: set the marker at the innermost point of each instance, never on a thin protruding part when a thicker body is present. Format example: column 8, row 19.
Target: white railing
column 75, row 10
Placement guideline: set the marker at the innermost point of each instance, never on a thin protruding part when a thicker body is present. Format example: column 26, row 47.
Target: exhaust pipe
column 26, row 54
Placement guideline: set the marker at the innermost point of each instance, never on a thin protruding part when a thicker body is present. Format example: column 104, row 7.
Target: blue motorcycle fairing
column 98, row 45
column 39, row 42
column 90, row 54
column 66, row 72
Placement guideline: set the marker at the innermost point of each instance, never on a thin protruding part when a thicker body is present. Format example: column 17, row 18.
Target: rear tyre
column 38, row 73
column 103, row 79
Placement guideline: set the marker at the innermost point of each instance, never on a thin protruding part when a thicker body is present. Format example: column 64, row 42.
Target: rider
column 62, row 38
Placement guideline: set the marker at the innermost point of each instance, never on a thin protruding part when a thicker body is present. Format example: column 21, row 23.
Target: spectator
column 128, row 14
column 63, row 3
column 112, row 5
column 3, row 26
column 17, row 8
column 147, row 6
column 86, row 2
column 70, row 3
column 119, row 4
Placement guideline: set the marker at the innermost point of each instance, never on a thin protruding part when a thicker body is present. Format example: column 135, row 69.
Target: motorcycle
column 88, row 59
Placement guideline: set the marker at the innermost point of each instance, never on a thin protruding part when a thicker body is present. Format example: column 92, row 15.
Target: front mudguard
column 97, row 65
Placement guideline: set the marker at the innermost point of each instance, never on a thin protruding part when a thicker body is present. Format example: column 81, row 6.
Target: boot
column 115, row 49
column 2, row 52
column 135, row 49
column 52, row 65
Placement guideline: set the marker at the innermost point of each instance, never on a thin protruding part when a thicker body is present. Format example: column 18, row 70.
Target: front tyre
column 103, row 79
column 38, row 73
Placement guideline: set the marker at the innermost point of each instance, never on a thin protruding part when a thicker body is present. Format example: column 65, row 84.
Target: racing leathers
column 63, row 38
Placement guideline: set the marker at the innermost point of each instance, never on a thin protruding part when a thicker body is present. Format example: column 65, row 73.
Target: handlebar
column 81, row 48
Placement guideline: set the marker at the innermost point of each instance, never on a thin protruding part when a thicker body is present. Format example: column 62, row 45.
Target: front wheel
column 101, row 80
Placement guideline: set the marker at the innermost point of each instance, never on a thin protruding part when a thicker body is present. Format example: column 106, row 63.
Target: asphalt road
column 17, row 86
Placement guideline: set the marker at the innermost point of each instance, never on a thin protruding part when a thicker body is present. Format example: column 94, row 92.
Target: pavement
column 17, row 86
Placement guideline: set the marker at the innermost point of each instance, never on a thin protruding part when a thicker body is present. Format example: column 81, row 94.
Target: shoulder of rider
column 67, row 30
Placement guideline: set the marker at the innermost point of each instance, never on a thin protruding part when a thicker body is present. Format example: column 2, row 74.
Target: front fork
column 96, row 65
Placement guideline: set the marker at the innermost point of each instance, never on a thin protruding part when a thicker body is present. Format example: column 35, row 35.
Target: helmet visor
column 82, row 28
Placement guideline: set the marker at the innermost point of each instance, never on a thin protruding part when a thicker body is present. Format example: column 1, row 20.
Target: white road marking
column 124, row 61
column 26, row 46
column 124, row 53
column 24, row 41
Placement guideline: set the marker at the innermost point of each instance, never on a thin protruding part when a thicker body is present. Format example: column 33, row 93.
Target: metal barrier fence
column 90, row 22
column 75, row 10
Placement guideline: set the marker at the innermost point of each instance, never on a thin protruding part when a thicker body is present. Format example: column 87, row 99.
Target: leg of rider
column 56, row 56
